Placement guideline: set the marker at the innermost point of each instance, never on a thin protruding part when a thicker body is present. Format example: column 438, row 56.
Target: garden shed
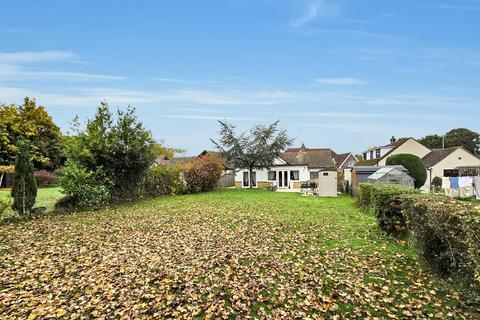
column 392, row 175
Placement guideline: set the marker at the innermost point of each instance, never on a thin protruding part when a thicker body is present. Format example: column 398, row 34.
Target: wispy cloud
column 268, row 102
column 341, row 81
column 455, row 7
column 174, row 80
column 369, row 115
column 35, row 56
column 426, row 56
column 202, row 117
column 15, row 30
column 353, row 33
column 315, row 9
column 14, row 66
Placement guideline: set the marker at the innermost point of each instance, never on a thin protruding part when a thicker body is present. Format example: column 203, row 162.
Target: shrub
column 163, row 180
column 45, row 178
column 117, row 148
column 414, row 165
column 202, row 174
column 386, row 203
column 4, row 204
column 364, row 196
column 437, row 182
column 24, row 191
column 446, row 234
column 83, row 188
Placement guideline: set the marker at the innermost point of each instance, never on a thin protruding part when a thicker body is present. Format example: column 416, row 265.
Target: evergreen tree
column 257, row 150
column 24, row 191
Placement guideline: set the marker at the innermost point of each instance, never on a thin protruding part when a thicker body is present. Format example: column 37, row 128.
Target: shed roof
column 373, row 169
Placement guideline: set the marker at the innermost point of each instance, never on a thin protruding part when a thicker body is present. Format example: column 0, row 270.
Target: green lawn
column 46, row 197
column 231, row 253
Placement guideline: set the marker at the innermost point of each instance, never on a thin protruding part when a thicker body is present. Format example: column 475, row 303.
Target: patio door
column 246, row 179
column 283, row 179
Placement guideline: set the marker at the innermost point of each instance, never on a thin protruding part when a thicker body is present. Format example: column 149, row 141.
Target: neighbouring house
column 295, row 168
column 345, row 161
column 361, row 174
column 448, row 162
column 378, row 156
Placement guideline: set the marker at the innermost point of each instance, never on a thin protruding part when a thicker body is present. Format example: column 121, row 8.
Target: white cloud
column 13, row 66
column 201, row 117
column 174, row 80
column 272, row 102
column 341, row 81
column 370, row 115
column 22, row 57
column 455, row 7
column 315, row 9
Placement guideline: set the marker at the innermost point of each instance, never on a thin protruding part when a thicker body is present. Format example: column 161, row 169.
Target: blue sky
column 343, row 74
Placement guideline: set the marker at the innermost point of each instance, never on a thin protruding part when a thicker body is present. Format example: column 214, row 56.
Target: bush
column 414, row 165
column 386, row 203
column 163, row 180
column 364, row 197
column 437, row 182
column 202, row 174
column 24, row 191
column 83, row 188
column 45, row 178
column 4, row 204
column 115, row 147
column 446, row 234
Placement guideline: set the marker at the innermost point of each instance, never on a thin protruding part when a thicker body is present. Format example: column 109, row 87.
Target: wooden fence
column 227, row 180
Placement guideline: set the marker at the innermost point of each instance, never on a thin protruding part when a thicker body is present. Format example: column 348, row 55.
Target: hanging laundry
column 454, row 193
column 476, row 183
column 445, row 183
column 465, row 182
column 453, row 182
column 466, row 192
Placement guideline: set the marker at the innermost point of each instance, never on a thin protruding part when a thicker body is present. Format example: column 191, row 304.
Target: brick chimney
column 393, row 140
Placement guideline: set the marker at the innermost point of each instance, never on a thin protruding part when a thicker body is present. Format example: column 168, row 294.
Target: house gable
column 458, row 158
column 410, row 146
column 348, row 162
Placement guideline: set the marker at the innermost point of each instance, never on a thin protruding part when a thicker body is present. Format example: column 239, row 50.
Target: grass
column 46, row 197
column 230, row 253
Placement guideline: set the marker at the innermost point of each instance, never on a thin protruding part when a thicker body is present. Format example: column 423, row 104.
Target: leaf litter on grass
column 211, row 257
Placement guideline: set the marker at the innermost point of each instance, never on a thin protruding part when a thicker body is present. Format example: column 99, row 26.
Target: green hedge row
column 444, row 231
column 386, row 203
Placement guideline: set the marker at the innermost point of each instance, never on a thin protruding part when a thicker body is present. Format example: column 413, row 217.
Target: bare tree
column 256, row 150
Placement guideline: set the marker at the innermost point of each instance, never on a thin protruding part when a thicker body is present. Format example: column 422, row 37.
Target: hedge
column 45, row 178
column 163, row 180
column 446, row 233
column 386, row 203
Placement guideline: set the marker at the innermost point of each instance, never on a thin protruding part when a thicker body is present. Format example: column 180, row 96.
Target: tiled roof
column 437, row 155
column 314, row 158
column 340, row 158
column 372, row 162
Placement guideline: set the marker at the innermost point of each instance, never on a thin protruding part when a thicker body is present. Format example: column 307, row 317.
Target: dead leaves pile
column 204, row 259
